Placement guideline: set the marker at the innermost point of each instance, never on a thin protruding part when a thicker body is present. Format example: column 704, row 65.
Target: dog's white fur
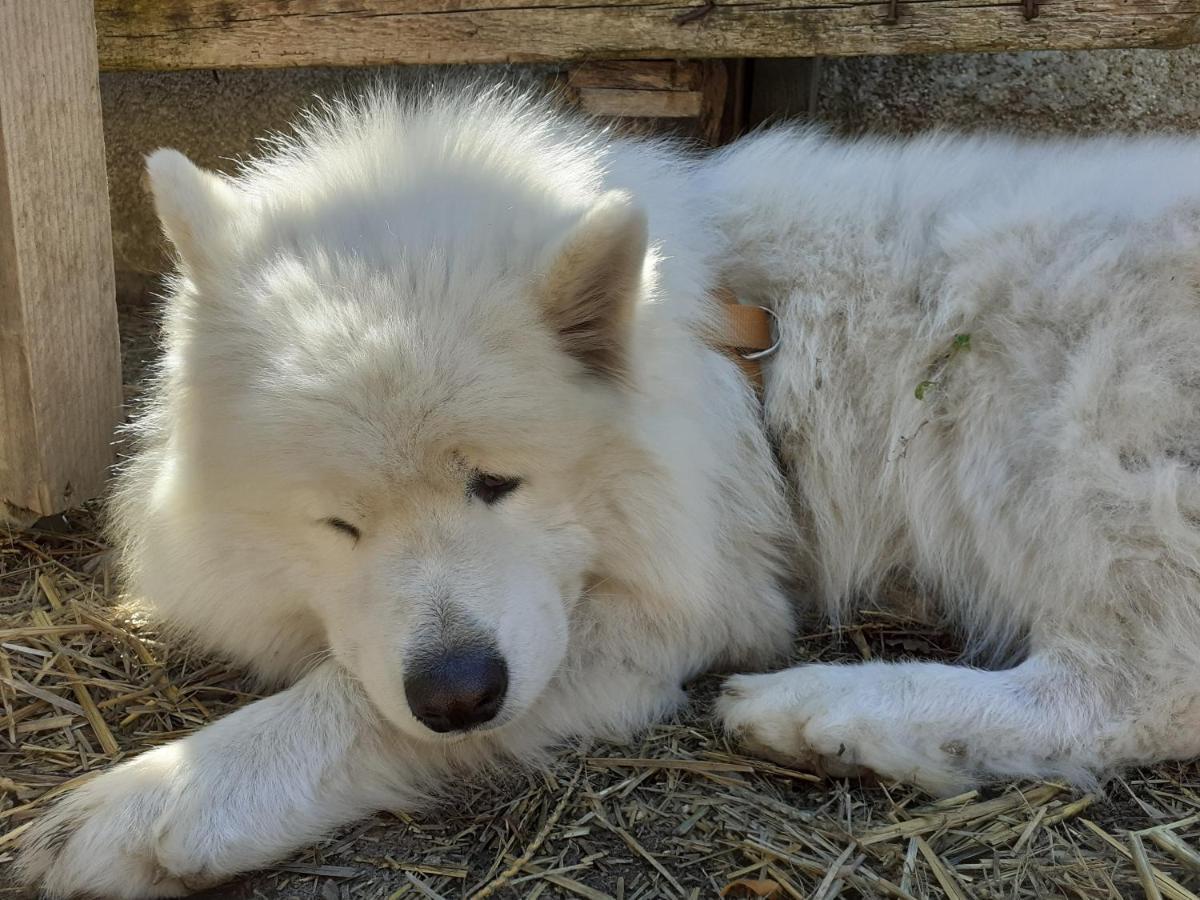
column 1045, row 299
column 413, row 290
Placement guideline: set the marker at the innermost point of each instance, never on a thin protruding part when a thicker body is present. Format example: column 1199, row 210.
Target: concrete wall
column 216, row 117
column 1075, row 93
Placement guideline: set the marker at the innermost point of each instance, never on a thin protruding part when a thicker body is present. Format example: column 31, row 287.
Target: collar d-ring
column 752, row 355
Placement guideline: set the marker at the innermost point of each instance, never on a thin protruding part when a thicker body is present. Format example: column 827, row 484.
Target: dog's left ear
column 591, row 284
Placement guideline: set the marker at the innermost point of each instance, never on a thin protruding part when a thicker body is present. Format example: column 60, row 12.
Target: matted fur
column 413, row 290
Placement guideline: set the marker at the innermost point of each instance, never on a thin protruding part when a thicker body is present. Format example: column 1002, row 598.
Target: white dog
column 439, row 439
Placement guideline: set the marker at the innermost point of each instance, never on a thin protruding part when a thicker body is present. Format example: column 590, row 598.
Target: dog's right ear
column 592, row 283
column 198, row 209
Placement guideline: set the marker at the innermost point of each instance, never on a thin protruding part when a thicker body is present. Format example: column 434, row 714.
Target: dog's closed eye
column 344, row 527
column 491, row 488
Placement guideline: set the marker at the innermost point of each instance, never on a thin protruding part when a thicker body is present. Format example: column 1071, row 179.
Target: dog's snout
column 460, row 689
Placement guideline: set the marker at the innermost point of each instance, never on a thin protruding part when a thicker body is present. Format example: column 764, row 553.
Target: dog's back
column 989, row 380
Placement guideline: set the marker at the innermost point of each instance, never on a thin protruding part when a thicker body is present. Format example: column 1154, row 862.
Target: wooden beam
column 202, row 34
column 60, row 383
column 642, row 104
column 687, row 98
column 638, row 75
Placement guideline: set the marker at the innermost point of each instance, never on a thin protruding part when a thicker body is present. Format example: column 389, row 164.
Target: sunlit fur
column 410, row 291
column 1043, row 298
column 414, row 290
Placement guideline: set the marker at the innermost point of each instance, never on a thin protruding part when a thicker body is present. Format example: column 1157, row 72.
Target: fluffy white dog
column 440, row 440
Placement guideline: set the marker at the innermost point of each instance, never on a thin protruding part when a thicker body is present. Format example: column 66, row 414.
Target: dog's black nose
column 460, row 689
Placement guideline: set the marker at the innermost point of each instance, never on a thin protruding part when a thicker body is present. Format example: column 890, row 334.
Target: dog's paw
column 769, row 718
column 827, row 719
column 106, row 838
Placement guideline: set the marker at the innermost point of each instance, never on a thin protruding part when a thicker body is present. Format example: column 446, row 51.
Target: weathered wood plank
column 60, row 383
column 642, row 104
column 183, row 34
column 687, row 98
column 637, row 75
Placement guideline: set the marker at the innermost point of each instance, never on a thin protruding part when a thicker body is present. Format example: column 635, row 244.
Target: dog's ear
column 198, row 209
column 592, row 281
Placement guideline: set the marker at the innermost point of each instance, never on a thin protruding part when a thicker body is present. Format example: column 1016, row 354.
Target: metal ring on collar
column 769, row 351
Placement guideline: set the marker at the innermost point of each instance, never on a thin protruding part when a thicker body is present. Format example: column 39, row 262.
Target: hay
column 678, row 813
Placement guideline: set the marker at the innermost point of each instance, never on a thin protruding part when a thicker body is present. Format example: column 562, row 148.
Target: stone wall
column 1073, row 93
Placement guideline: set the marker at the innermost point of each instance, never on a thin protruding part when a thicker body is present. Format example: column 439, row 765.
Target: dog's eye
column 491, row 488
column 344, row 527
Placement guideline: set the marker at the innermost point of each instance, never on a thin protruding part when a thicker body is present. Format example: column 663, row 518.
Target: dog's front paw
column 106, row 838
column 768, row 718
column 832, row 719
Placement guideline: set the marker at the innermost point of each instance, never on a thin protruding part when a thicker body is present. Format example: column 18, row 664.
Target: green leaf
column 962, row 342
column 923, row 387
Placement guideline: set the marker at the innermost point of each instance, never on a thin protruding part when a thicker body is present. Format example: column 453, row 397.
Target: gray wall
column 1074, row 93
column 216, row 117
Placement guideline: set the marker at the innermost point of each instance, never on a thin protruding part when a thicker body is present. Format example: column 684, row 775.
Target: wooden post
column 60, row 380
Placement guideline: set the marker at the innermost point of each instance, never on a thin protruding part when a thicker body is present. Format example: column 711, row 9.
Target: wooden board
column 60, row 384
column 190, row 34
column 696, row 99
column 642, row 104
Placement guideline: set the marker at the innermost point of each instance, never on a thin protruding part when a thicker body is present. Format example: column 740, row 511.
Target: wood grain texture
column 189, row 34
column 637, row 75
column 694, row 99
column 642, row 104
column 60, row 384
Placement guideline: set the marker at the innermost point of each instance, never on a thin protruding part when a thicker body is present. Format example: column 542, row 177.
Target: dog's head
column 401, row 389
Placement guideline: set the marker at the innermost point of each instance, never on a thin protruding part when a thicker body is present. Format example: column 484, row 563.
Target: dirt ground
column 677, row 813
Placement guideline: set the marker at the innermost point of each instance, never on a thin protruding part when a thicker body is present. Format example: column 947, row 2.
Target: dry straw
column 678, row 813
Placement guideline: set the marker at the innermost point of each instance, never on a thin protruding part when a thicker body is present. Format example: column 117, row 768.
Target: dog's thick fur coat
column 988, row 382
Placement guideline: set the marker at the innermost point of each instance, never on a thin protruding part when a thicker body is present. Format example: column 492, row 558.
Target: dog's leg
column 231, row 797
column 948, row 728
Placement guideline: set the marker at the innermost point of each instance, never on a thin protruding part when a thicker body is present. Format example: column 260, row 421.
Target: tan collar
column 746, row 334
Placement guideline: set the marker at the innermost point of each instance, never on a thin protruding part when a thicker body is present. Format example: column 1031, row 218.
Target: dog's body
column 440, row 439
column 988, row 381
